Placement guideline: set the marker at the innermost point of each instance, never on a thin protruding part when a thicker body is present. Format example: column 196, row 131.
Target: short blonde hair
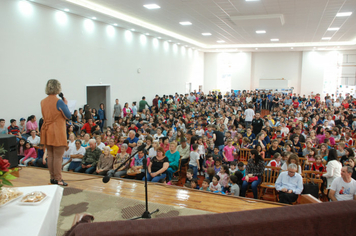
column 53, row 87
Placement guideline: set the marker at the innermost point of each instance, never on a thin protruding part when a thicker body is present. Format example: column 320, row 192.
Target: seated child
column 194, row 184
column 241, row 167
column 208, row 163
column 217, row 166
column 224, row 178
column 318, row 165
column 214, row 185
column 233, row 167
column 235, row 189
column 189, row 175
column 205, row 185
column 216, row 155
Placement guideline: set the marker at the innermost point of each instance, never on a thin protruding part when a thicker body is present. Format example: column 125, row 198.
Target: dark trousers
column 287, row 198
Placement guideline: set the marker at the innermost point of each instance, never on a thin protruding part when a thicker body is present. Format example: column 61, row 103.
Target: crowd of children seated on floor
column 305, row 126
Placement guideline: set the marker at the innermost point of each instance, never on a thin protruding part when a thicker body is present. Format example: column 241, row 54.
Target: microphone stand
column 146, row 214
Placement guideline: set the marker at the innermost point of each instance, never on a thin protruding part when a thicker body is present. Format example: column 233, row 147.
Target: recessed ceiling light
column 186, row 46
column 178, row 43
column 115, row 24
column 66, row 9
column 132, row 29
column 159, row 37
column 326, row 38
column 274, row 40
column 291, row 48
column 185, row 23
column 94, row 18
column 151, row 6
column 220, row 41
column 206, row 34
column 333, row 29
column 260, row 31
column 340, row 14
column 256, row 48
column 169, row 40
column 147, row 34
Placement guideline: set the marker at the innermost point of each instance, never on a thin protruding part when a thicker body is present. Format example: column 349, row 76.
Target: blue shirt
column 134, row 140
column 134, row 110
column 294, row 183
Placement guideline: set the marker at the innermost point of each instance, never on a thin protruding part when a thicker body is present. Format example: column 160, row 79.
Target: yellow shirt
column 113, row 150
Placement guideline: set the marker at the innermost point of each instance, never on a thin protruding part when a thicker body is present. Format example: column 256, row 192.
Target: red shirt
column 295, row 105
column 87, row 128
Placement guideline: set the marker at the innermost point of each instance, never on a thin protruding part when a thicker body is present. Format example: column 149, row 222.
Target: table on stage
column 36, row 220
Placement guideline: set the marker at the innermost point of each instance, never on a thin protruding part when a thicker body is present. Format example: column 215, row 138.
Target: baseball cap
column 22, row 119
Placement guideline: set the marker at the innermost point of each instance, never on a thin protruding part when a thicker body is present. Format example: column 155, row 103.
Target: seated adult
column 90, row 159
column 76, row 155
column 254, row 172
column 158, row 166
column 343, row 188
column 113, row 148
column 173, row 157
column 99, row 144
column 34, row 139
column 87, row 126
column 120, row 159
column 32, row 125
column 105, row 162
column 132, row 139
column 289, row 184
column 184, row 151
column 260, row 140
column 85, row 142
column 293, row 159
column 137, row 164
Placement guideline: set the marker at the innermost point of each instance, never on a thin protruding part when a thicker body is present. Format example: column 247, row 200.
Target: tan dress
column 53, row 130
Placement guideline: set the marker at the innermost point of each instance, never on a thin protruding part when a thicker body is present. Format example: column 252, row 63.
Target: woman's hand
column 153, row 174
column 65, row 101
column 246, row 178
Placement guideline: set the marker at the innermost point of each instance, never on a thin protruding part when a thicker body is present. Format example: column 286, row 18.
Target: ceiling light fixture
column 151, row 6
column 147, row 34
column 220, row 41
column 94, row 18
column 132, row 29
column 115, row 24
column 260, row 31
column 333, row 29
column 256, row 48
column 341, row 14
column 169, row 40
column 67, row 10
column 326, row 38
column 274, row 40
column 291, row 48
column 206, row 34
column 159, row 37
column 185, row 23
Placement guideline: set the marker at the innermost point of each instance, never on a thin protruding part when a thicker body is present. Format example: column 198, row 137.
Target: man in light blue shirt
column 289, row 184
column 288, row 101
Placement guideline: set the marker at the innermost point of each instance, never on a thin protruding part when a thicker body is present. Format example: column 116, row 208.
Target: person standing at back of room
column 249, row 114
column 142, row 104
column 117, row 110
column 53, row 133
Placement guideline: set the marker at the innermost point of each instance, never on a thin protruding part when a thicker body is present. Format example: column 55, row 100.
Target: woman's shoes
column 54, row 181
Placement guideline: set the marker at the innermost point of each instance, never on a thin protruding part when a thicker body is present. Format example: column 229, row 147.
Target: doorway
column 97, row 94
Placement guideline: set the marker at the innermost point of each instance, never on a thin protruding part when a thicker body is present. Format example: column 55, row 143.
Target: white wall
column 240, row 67
column 272, row 65
column 36, row 46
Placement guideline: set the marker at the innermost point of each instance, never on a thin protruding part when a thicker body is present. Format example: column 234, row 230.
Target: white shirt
column 285, row 168
column 343, row 191
column 34, row 141
column 333, row 170
column 199, row 132
column 100, row 146
column 156, row 136
column 81, row 151
column 152, row 152
column 249, row 113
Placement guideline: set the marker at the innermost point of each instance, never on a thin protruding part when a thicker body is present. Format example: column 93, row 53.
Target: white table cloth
column 37, row 220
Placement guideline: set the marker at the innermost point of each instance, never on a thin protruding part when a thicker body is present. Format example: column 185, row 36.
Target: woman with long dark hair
column 254, row 171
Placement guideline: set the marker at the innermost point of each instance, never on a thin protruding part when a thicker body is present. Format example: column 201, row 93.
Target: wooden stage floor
column 158, row 193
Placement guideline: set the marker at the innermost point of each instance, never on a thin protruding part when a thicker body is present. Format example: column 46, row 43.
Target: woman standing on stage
column 53, row 131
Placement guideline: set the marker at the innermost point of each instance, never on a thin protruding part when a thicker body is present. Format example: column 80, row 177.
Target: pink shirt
column 228, row 152
column 31, row 126
column 29, row 153
column 224, row 179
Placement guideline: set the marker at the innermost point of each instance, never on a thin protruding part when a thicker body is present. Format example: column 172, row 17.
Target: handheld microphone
column 61, row 96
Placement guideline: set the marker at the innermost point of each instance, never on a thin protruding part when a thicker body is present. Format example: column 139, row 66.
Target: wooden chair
column 178, row 173
column 307, row 166
column 244, row 155
column 302, row 162
column 310, row 175
column 268, row 181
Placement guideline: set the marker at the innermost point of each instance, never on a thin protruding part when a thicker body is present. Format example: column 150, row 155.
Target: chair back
column 271, row 174
column 244, row 155
column 312, row 174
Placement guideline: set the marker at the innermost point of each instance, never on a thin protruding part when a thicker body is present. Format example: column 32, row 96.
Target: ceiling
column 298, row 24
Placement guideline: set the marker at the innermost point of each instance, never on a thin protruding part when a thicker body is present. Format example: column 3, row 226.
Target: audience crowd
column 206, row 133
